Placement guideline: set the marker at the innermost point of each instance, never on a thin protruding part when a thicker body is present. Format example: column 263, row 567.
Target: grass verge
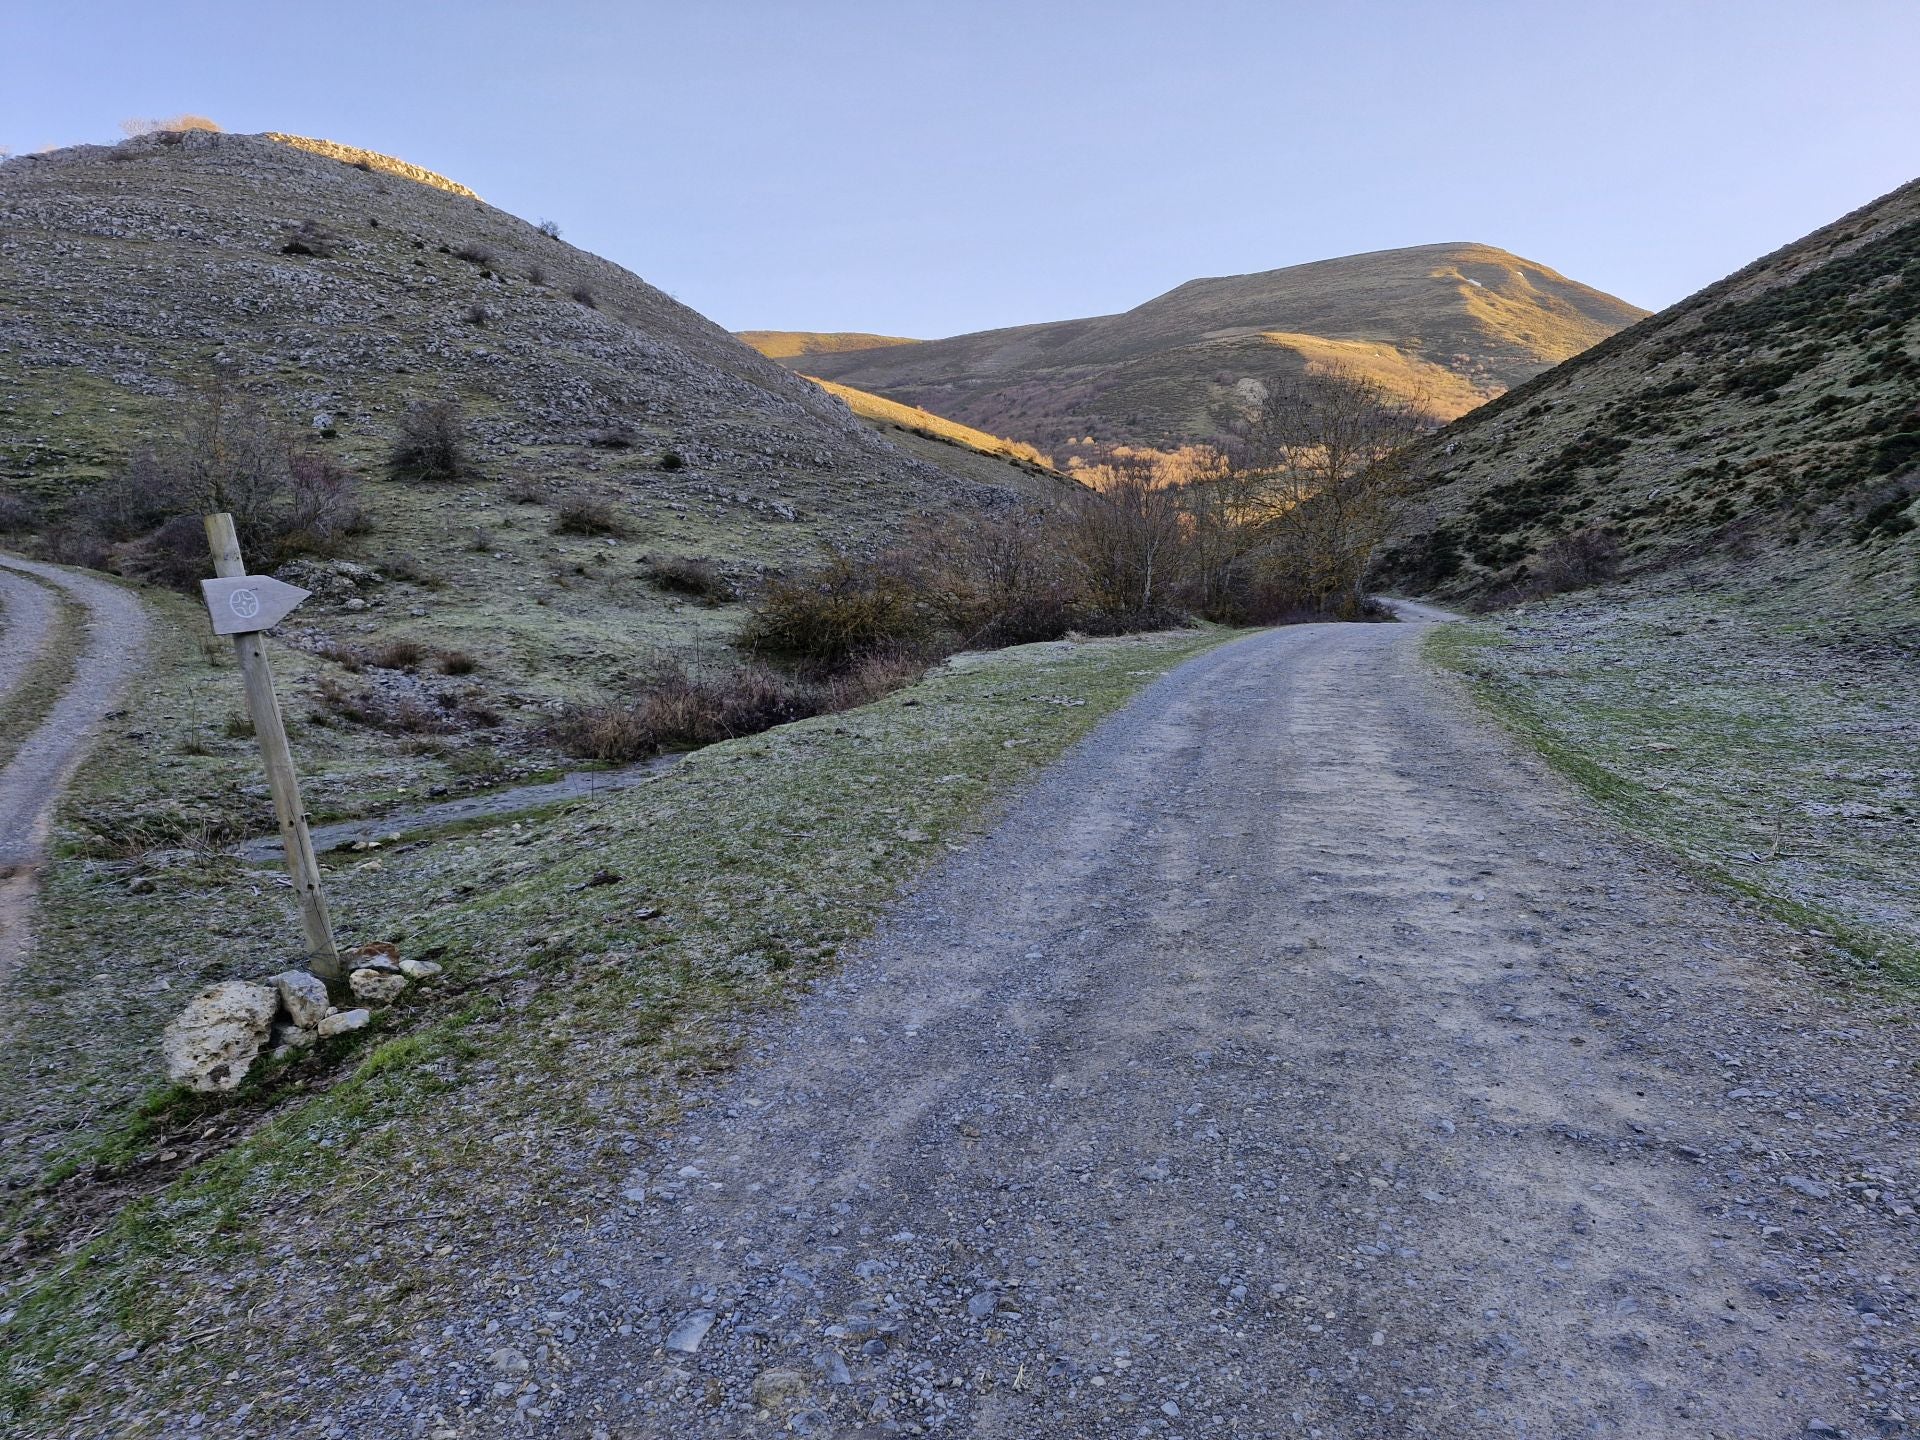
column 1780, row 771
column 597, row 963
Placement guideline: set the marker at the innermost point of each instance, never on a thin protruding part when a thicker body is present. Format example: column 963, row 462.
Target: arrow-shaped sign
column 245, row 603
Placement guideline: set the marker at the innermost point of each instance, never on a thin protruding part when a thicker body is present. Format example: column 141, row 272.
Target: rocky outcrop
column 214, row 1042
column 372, row 160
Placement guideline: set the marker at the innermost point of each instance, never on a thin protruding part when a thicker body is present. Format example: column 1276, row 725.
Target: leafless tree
column 1129, row 536
column 1320, row 460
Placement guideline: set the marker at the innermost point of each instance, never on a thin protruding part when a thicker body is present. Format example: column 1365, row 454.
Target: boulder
column 376, row 987
column 342, row 1021
column 216, row 1039
column 302, row 996
column 419, row 969
column 294, row 1037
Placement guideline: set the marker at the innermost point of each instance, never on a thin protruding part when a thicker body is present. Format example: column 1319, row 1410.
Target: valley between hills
column 983, row 998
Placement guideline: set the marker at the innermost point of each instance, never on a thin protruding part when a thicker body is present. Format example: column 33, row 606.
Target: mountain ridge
column 1448, row 325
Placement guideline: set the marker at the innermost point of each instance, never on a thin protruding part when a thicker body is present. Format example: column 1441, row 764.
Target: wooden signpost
column 243, row 605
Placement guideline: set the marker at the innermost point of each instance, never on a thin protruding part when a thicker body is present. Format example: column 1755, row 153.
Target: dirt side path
column 1295, row 1059
column 31, row 781
column 28, row 615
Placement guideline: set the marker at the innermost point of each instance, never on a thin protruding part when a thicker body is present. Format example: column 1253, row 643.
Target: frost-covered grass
column 597, row 959
column 1781, row 757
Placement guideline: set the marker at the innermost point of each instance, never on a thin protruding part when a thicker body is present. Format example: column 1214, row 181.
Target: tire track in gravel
column 31, row 781
column 1295, row 1058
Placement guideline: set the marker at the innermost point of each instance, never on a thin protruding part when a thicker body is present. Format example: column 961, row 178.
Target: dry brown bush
column 690, row 575
column 583, row 516
column 430, row 443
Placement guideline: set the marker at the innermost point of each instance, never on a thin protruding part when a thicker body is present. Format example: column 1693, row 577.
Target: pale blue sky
column 924, row 169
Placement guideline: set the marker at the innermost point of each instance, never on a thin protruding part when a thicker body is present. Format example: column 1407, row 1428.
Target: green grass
column 571, row 1020
column 1768, row 763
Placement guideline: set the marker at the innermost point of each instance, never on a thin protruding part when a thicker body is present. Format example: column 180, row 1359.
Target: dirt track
column 31, row 781
column 1293, row 1060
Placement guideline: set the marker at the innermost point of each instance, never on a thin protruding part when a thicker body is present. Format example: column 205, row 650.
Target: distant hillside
column 1451, row 325
column 1770, row 422
column 890, row 414
column 792, row 344
column 341, row 287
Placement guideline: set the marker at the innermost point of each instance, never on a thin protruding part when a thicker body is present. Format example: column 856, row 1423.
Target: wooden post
column 263, row 707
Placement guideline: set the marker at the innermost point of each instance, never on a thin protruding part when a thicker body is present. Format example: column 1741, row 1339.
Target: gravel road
column 1294, row 1059
column 31, row 781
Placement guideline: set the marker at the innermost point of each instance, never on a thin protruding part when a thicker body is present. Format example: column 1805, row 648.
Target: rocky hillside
column 1767, row 425
column 1449, row 325
column 343, row 288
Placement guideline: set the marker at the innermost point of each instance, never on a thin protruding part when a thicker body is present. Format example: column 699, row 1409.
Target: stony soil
column 1295, row 1059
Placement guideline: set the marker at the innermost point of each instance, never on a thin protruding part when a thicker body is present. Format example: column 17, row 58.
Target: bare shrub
column 549, row 228
column 474, row 253
column 457, row 662
column 582, row 516
column 617, row 436
column 1586, row 557
column 1003, row 579
column 397, row 654
column 875, row 676
column 17, row 514
column 690, row 575
column 611, row 733
column 430, row 444
column 174, row 555
column 672, row 460
column 479, row 316
column 1128, row 538
column 834, row 616
column 228, row 454
column 323, row 505
column 585, row 296
column 348, row 656
column 678, row 705
column 537, row 274
column 165, row 124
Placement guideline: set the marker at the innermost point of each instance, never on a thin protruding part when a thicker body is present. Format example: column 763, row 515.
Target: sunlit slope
column 1769, row 423
column 1448, row 326
column 878, row 410
column 793, row 344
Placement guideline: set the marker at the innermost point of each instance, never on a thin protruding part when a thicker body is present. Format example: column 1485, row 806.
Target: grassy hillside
column 613, row 433
column 793, row 344
column 1767, row 425
column 1450, row 325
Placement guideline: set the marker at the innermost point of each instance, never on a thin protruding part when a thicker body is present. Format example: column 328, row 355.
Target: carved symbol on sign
column 240, row 604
